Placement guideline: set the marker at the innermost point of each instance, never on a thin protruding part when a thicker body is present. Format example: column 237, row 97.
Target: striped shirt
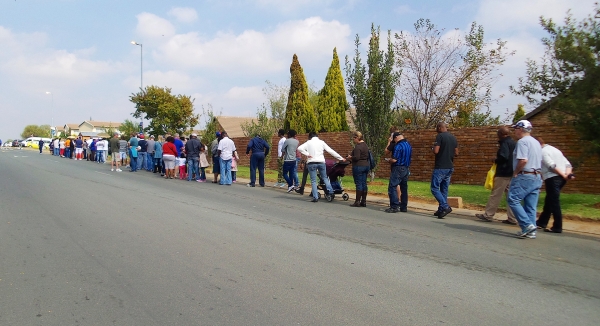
column 402, row 153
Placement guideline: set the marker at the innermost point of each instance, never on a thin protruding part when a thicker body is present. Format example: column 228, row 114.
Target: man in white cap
column 526, row 183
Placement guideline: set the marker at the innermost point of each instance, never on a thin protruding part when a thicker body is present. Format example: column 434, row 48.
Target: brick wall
column 477, row 150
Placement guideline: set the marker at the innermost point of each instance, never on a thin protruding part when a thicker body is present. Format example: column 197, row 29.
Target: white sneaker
column 119, row 170
column 112, row 169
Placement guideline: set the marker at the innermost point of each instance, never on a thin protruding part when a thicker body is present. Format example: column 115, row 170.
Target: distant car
column 17, row 143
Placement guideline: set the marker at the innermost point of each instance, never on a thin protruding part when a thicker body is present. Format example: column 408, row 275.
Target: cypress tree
column 299, row 113
column 332, row 103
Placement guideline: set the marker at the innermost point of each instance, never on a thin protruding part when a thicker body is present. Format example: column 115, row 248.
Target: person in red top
column 169, row 155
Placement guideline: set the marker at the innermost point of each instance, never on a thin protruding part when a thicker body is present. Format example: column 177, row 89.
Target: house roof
column 233, row 125
column 102, row 123
column 72, row 125
column 541, row 108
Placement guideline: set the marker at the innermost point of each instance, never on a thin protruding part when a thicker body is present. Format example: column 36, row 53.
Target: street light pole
column 141, row 64
column 51, row 114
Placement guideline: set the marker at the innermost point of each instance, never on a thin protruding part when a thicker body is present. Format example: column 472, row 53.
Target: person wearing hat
column 526, row 183
column 192, row 150
column 400, row 161
column 445, row 149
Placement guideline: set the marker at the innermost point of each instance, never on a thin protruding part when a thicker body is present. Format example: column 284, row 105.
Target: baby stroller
column 335, row 171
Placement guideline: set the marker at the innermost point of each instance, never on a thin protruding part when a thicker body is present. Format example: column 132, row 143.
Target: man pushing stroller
column 314, row 149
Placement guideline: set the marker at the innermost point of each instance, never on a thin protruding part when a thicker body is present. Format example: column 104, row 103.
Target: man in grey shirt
column 150, row 154
column 526, row 183
column 289, row 159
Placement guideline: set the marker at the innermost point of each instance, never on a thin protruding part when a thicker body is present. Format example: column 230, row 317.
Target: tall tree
column 128, row 127
column 166, row 112
column 519, row 113
column 299, row 113
column 371, row 87
column 332, row 103
column 445, row 77
column 36, row 131
column 567, row 75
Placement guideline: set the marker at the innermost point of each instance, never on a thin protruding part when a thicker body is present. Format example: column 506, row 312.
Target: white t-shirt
column 280, row 146
column 227, row 147
column 553, row 158
column 180, row 161
column 100, row 145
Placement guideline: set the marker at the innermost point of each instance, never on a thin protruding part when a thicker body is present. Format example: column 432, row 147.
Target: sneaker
column 250, row 185
column 483, row 217
column 282, row 185
column 314, row 200
column 290, row 189
column 112, row 169
column 119, row 170
column 234, row 181
column 529, row 229
column 276, row 184
column 392, row 210
column 444, row 212
column 531, row 235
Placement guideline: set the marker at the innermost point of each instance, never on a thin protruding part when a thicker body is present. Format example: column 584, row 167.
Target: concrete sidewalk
column 568, row 225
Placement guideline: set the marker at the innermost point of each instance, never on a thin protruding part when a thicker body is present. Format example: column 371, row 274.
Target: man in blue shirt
column 260, row 149
column 400, row 161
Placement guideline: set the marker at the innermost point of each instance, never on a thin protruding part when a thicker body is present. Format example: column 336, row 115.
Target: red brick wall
column 477, row 150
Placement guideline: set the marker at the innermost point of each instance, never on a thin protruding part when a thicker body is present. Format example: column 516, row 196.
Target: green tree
column 331, row 102
column 299, row 113
column 566, row 78
column 36, row 131
column 371, row 87
column 166, row 112
column 128, row 127
column 211, row 125
column 519, row 113
column 277, row 99
column 446, row 78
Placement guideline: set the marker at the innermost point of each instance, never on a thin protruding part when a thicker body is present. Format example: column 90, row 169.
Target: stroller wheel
column 345, row 197
column 329, row 197
column 319, row 195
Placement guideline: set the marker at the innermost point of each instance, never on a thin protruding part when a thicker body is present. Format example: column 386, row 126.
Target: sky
column 66, row 61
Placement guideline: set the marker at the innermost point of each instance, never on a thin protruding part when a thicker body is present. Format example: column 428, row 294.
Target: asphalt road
column 80, row 245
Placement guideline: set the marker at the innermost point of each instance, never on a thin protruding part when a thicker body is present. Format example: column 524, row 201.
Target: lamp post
column 141, row 64
column 52, row 128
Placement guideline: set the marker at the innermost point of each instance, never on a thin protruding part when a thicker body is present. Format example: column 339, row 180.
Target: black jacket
column 504, row 157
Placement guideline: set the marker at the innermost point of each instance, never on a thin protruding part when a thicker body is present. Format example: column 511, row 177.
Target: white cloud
column 493, row 14
column 184, row 15
column 152, row 26
column 257, row 52
column 404, row 9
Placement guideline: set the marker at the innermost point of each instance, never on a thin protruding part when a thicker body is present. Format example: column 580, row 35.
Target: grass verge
column 574, row 206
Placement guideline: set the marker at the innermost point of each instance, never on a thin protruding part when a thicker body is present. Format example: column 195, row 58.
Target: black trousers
column 552, row 203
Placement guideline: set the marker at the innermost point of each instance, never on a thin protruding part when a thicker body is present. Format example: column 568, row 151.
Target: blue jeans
column 360, row 173
column 398, row 176
column 193, row 168
column 202, row 173
column 440, row 181
column 288, row 172
column 312, row 171
column 150, row 161
column 225, row 171
column 133, row 163
column 67, row 152
column 526, row 188
column 141, row 160
column 296, row 181
column 257, row 161
column 56, row 151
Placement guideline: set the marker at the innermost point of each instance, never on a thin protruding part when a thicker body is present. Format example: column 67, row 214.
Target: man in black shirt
column 445, row 149
column 504, row 173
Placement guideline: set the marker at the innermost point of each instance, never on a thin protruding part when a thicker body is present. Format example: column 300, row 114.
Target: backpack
column 371, row 160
